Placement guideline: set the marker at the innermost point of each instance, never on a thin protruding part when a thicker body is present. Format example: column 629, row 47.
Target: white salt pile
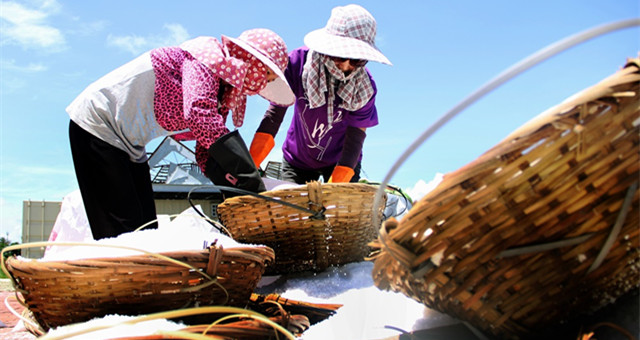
column 112, row 326
column 367, row 312
column 188, row 231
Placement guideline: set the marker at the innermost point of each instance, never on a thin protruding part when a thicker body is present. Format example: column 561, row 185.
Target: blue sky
column 441, row 50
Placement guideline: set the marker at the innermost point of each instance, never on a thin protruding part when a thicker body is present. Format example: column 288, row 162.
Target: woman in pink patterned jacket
column 185, row 91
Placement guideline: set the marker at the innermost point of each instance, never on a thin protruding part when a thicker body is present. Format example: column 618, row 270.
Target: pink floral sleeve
column 186, row 98
column 200, row 90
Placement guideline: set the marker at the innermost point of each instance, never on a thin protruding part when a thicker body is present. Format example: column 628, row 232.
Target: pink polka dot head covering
column 270, row 49
column 242, row 62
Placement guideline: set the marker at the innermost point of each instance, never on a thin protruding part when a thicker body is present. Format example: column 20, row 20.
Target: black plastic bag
column 230, row 164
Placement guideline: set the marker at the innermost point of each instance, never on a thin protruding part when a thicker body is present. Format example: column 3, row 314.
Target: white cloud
column 421, row 187
column 50, row 6
column 28, row 27
column 178, row 33
column 14, row 81
column 137, row 44
column 89, row 28
column 133, row 44
column 18, row 14
column 11, row 65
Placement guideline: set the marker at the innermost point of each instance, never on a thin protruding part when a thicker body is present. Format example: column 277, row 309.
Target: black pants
column 116, row 192
column 301, row 176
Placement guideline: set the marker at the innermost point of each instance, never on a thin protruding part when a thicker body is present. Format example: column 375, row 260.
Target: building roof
column 175, row 173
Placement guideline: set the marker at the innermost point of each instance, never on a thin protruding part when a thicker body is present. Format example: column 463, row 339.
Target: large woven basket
column 542, row 227
column 300, row 240
column 64, row 292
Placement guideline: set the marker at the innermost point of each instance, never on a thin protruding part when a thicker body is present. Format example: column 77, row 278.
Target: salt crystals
column 188, row 231
column 113, row 326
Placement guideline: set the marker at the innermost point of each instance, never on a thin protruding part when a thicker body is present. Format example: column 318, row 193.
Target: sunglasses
column 354, row 62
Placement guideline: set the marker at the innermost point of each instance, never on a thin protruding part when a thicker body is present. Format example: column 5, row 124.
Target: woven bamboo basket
column 247, row 329
column 218, row 322
column 540, row 228
column 302, row 241
column 274, row 304
column 293, row 315
column 64, row 292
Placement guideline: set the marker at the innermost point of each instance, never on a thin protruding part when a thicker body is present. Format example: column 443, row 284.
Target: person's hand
column 261, row 145
column 341, row 174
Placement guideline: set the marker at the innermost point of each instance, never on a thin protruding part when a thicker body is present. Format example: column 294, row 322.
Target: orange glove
column 341, row 174
column 261, row 145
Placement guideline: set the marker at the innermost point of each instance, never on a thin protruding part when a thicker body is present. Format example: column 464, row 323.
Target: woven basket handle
column 215, row 255
column 314, row 189
column 321, row 227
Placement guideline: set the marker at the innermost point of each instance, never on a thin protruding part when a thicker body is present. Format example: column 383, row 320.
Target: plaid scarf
column 355, row 89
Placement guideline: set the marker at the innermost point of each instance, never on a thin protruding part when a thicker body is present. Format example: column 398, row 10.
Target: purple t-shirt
column 310, row 144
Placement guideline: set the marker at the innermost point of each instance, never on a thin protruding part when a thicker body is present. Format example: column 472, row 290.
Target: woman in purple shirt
column 335, row 101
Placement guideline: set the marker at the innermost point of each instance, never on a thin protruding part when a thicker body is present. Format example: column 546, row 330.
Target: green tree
column 5, row 242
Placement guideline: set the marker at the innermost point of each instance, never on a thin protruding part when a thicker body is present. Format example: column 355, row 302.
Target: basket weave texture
column 568, row 176
column 300, row 241
column 64, row 292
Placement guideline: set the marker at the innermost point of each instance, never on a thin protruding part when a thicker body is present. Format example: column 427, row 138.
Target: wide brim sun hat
column 349, row 33
column 271, row 50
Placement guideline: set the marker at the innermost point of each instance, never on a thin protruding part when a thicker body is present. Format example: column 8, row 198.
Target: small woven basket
column 540, row 228
column 300, row 240
column 64, row 292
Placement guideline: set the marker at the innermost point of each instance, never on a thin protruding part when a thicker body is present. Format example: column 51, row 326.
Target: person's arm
column 358, row 121
column 222, row 156
column 200, row 103
column 353, row 142
column 263, row 140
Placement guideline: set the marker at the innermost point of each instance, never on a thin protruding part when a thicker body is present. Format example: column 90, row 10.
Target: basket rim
column 304, row 188
column 254, row 253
